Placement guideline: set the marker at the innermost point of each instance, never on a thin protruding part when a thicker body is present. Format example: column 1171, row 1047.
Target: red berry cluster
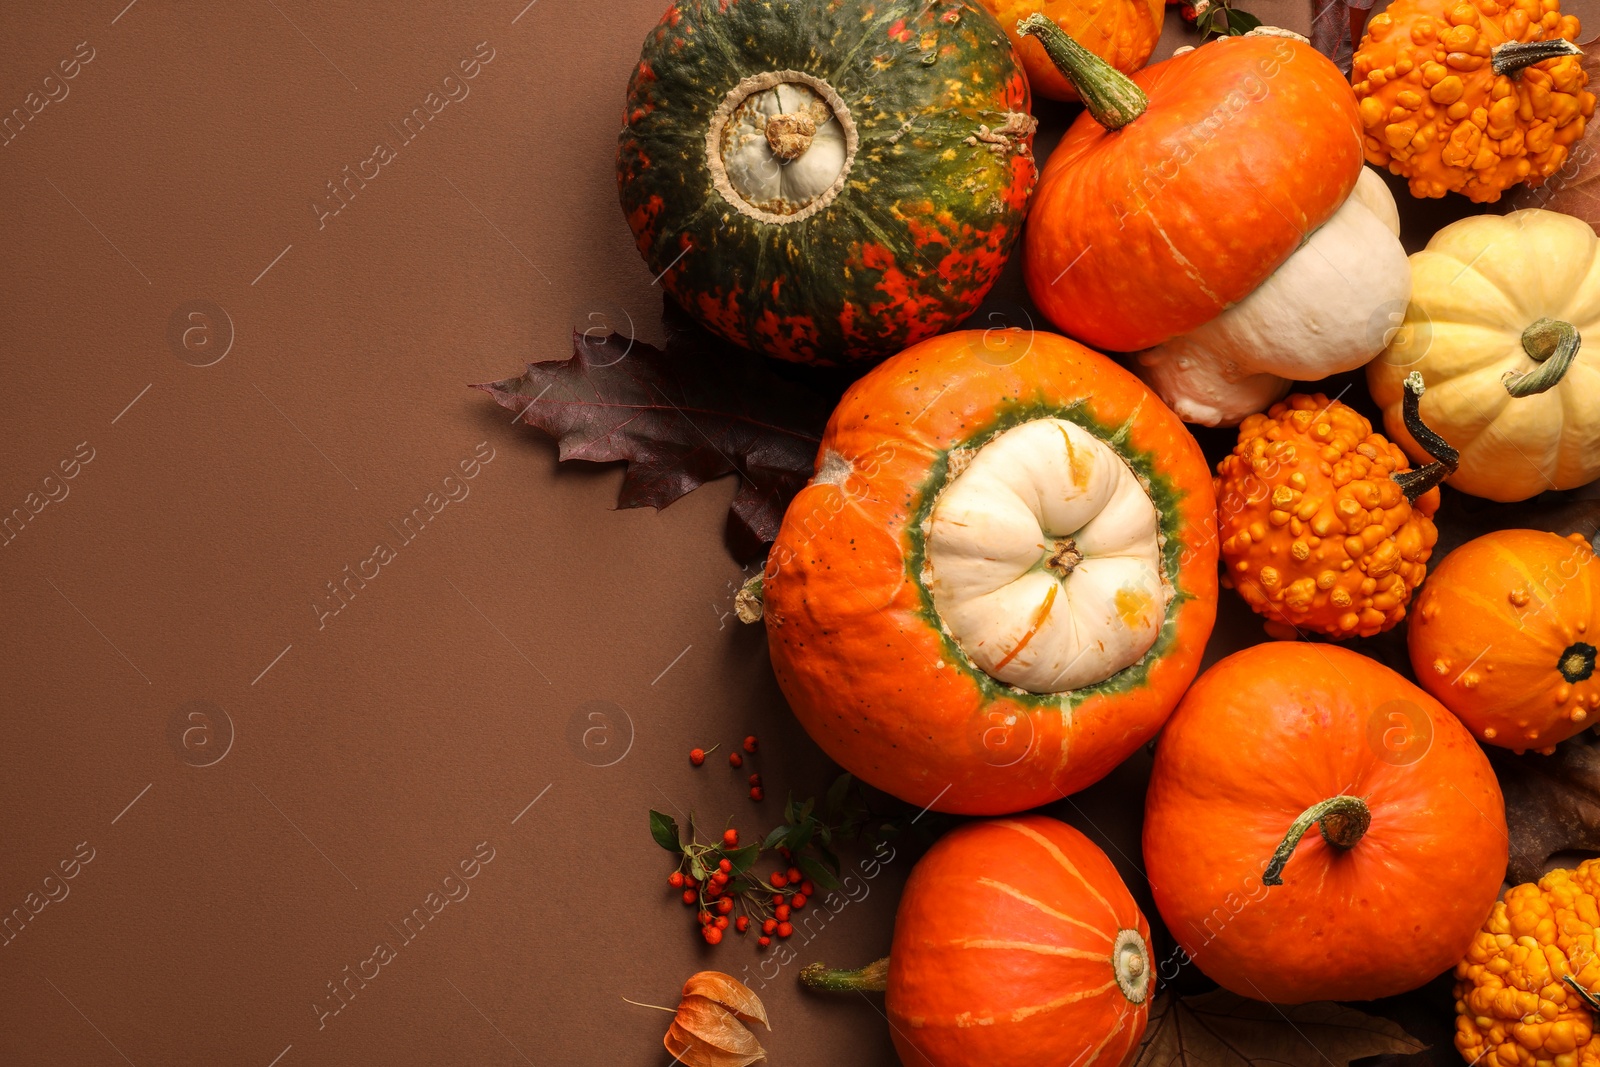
column 714, row 897
column 697, row 756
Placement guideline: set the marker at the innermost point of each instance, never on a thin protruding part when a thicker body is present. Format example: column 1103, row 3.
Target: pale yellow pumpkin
column 1504, row 326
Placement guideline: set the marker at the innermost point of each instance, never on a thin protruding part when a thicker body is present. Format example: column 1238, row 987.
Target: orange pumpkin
column 1504, row 635
column 1121, row 32
column 1325, row 527
column 1016, row 942
column 1412, row 848
column 1000, row 579
column 1471, row 96
column 1182, row 188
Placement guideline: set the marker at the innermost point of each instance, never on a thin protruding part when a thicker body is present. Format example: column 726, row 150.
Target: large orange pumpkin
column 1121, row 32
column 1182, row 188
column 1000, row 579
column 1016, row 943
column 1504, row 635
column 1287, row 735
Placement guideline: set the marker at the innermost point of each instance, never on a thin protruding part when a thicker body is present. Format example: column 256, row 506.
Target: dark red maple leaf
column 679, row 416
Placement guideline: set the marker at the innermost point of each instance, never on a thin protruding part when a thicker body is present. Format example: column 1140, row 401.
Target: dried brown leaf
column 730, row 993
column 1575, row 188
column 1552, row 803
column 679, row 416
column 1220, row 1029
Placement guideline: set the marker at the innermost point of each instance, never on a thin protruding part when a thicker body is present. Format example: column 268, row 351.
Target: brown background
column 371, row 753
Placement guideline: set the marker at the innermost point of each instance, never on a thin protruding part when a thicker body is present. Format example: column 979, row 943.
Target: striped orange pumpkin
column 1017, row 942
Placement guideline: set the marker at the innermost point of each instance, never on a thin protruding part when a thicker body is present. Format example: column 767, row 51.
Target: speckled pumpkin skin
column 977, row 972
column 855, row 641
column 1495, row 623
column 1142, row 234
column 1435, row 111
column 926, row 219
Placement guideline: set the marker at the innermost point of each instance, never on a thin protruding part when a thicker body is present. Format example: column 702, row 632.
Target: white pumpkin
column 1044, row 559
column 1328, row 308
column 1504, row 326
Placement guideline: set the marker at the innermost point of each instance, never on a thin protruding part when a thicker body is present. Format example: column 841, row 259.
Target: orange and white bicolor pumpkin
column 1002, row 576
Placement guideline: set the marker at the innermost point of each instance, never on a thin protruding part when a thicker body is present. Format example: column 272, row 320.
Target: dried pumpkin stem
column 1445, row 458
column 747, row 602
column 1344, row 820
column 1511, row 57
column 1553, row 345
column 1588, row 997
column 1109, row 95
column 873, row 978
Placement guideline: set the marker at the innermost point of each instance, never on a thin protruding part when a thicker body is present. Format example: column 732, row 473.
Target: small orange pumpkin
column 1471, row 96
column 1286, row 735
column 1121, row 32
column 1325, row 527
column 1504, row 635
column 1016, row 942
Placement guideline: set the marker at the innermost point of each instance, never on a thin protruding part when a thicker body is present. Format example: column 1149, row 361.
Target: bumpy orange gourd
column 1504, row 635
column 1526, row 990
column 1324, row 526
column 1121, row 32
column 1288, row 735
column 1471, row 97
column 1016, row 942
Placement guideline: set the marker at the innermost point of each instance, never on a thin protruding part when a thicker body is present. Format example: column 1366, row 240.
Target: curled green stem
column 1445, row 458
column 873, row 978
column 1553, row 345
column 1510, row 58
column 1344, row 819
column 1109, row 95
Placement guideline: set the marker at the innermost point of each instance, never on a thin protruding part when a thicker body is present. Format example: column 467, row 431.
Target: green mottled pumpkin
column 827, row 181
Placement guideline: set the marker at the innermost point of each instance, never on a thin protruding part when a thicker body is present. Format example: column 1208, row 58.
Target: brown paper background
column 372, row 754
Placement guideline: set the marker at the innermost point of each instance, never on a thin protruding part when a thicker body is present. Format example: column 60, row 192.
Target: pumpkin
column 1001, row 577
column 1015, row 942
column 1284, row 736
column 1526, row 988
column 1326, row 310
column 1504, row 327
column 831, row 182
column 1121, row 32
column 1471, row 96
column 1183, row 188
column 1504, row 636
column 1325, row 528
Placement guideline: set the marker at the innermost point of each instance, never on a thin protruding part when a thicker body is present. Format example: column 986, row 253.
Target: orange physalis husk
column 708, row 1029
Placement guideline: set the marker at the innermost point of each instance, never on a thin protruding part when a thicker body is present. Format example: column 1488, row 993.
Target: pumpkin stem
column 1445, row 457
column 1109, row 95
column 1588, row 997
column 873, row 978
column 1511, row 57
column 747, row 603
column 1344, row 820
column 1553, row 345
